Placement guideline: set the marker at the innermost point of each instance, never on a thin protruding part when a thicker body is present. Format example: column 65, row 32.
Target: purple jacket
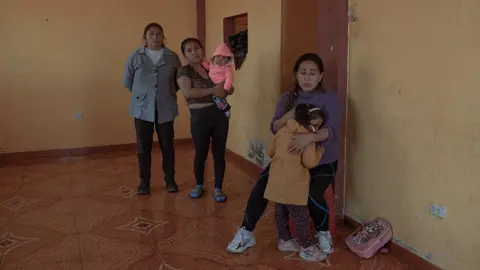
column 330, row 105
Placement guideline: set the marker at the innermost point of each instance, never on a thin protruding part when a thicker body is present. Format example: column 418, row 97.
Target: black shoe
column 143, row 188
column 172, row 187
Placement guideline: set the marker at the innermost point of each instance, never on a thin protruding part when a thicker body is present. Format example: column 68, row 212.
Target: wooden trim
column 401, row 253
column 21, row 157
column 342, row 79
column 201, row 22
column 332, row 40
column 286, row 84
column 229, row 26
column 250, row 168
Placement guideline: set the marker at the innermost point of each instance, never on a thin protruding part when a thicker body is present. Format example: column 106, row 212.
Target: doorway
column 332, row 41
column 320, row 26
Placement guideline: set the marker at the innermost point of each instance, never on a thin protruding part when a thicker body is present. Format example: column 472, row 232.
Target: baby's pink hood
column 223, row 50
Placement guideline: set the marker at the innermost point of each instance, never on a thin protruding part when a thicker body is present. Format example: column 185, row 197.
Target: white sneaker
column 313, row 254
column 325, row 242
column 288, row 246
column 242, row 241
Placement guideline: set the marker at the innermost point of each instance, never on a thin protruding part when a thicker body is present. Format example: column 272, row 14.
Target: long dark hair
column 303, row 114
column 293, row 95
column 153, row 25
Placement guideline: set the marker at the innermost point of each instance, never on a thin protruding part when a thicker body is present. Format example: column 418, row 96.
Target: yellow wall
column 257, row 83
column 74, row 62
column 414, row 124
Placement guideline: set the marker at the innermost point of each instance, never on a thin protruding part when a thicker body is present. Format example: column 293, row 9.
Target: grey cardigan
column 153, row 87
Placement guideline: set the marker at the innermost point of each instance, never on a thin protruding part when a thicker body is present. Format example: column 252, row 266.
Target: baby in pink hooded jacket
column 220, row 70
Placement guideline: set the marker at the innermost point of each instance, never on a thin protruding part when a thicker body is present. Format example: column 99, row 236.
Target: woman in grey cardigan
column 150, row 76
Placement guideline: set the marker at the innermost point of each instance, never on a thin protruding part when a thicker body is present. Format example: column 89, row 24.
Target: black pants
column 321, row 177
column 207, row 124
column 165, row 135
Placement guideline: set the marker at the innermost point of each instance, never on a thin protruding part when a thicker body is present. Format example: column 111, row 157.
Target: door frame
column 332, row 40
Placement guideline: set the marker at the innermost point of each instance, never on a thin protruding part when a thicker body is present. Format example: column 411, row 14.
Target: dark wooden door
column 333, row 48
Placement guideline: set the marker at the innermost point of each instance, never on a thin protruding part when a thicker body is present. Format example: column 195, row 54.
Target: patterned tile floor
column 82, row 213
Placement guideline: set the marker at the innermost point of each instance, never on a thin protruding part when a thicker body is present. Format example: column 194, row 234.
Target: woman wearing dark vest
column 150, row 76
column 208, row 123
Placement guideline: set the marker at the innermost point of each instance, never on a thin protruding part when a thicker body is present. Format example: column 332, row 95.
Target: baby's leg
column 219, row 102
column 223, row 105
column 281, row 219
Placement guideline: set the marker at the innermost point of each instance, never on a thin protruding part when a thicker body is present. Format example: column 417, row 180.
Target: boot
column 144, row 187
column 171, row 185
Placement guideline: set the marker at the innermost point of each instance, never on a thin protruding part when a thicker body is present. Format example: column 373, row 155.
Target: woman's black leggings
column 321, row 177
column 207, row 124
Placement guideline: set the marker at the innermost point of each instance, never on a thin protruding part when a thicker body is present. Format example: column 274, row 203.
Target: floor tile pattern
column 83, row 213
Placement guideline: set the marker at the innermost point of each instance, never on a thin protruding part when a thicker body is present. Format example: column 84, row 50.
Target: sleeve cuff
column 331, row 132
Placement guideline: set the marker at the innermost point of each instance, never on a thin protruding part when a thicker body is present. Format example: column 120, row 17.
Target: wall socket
column 438, row 210
column 78, row 115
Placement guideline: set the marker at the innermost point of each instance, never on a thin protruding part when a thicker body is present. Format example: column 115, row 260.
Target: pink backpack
column 370, row 238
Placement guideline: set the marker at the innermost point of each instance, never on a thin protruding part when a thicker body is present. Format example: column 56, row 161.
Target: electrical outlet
column 78, row 115
column 438, row 210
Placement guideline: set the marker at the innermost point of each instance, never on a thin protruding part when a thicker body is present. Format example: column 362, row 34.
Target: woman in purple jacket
column 309, row 89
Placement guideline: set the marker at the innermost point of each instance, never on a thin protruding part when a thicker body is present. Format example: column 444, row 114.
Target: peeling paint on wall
column 257, row 153
column 428, row 257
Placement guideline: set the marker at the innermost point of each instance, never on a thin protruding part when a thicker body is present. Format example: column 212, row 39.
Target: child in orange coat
column 220, row 70
column 289, row 181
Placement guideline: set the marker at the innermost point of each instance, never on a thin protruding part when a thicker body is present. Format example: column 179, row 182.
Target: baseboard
column 253, row 170
column 16, row 158
column 403, row 254
column 20, row 157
